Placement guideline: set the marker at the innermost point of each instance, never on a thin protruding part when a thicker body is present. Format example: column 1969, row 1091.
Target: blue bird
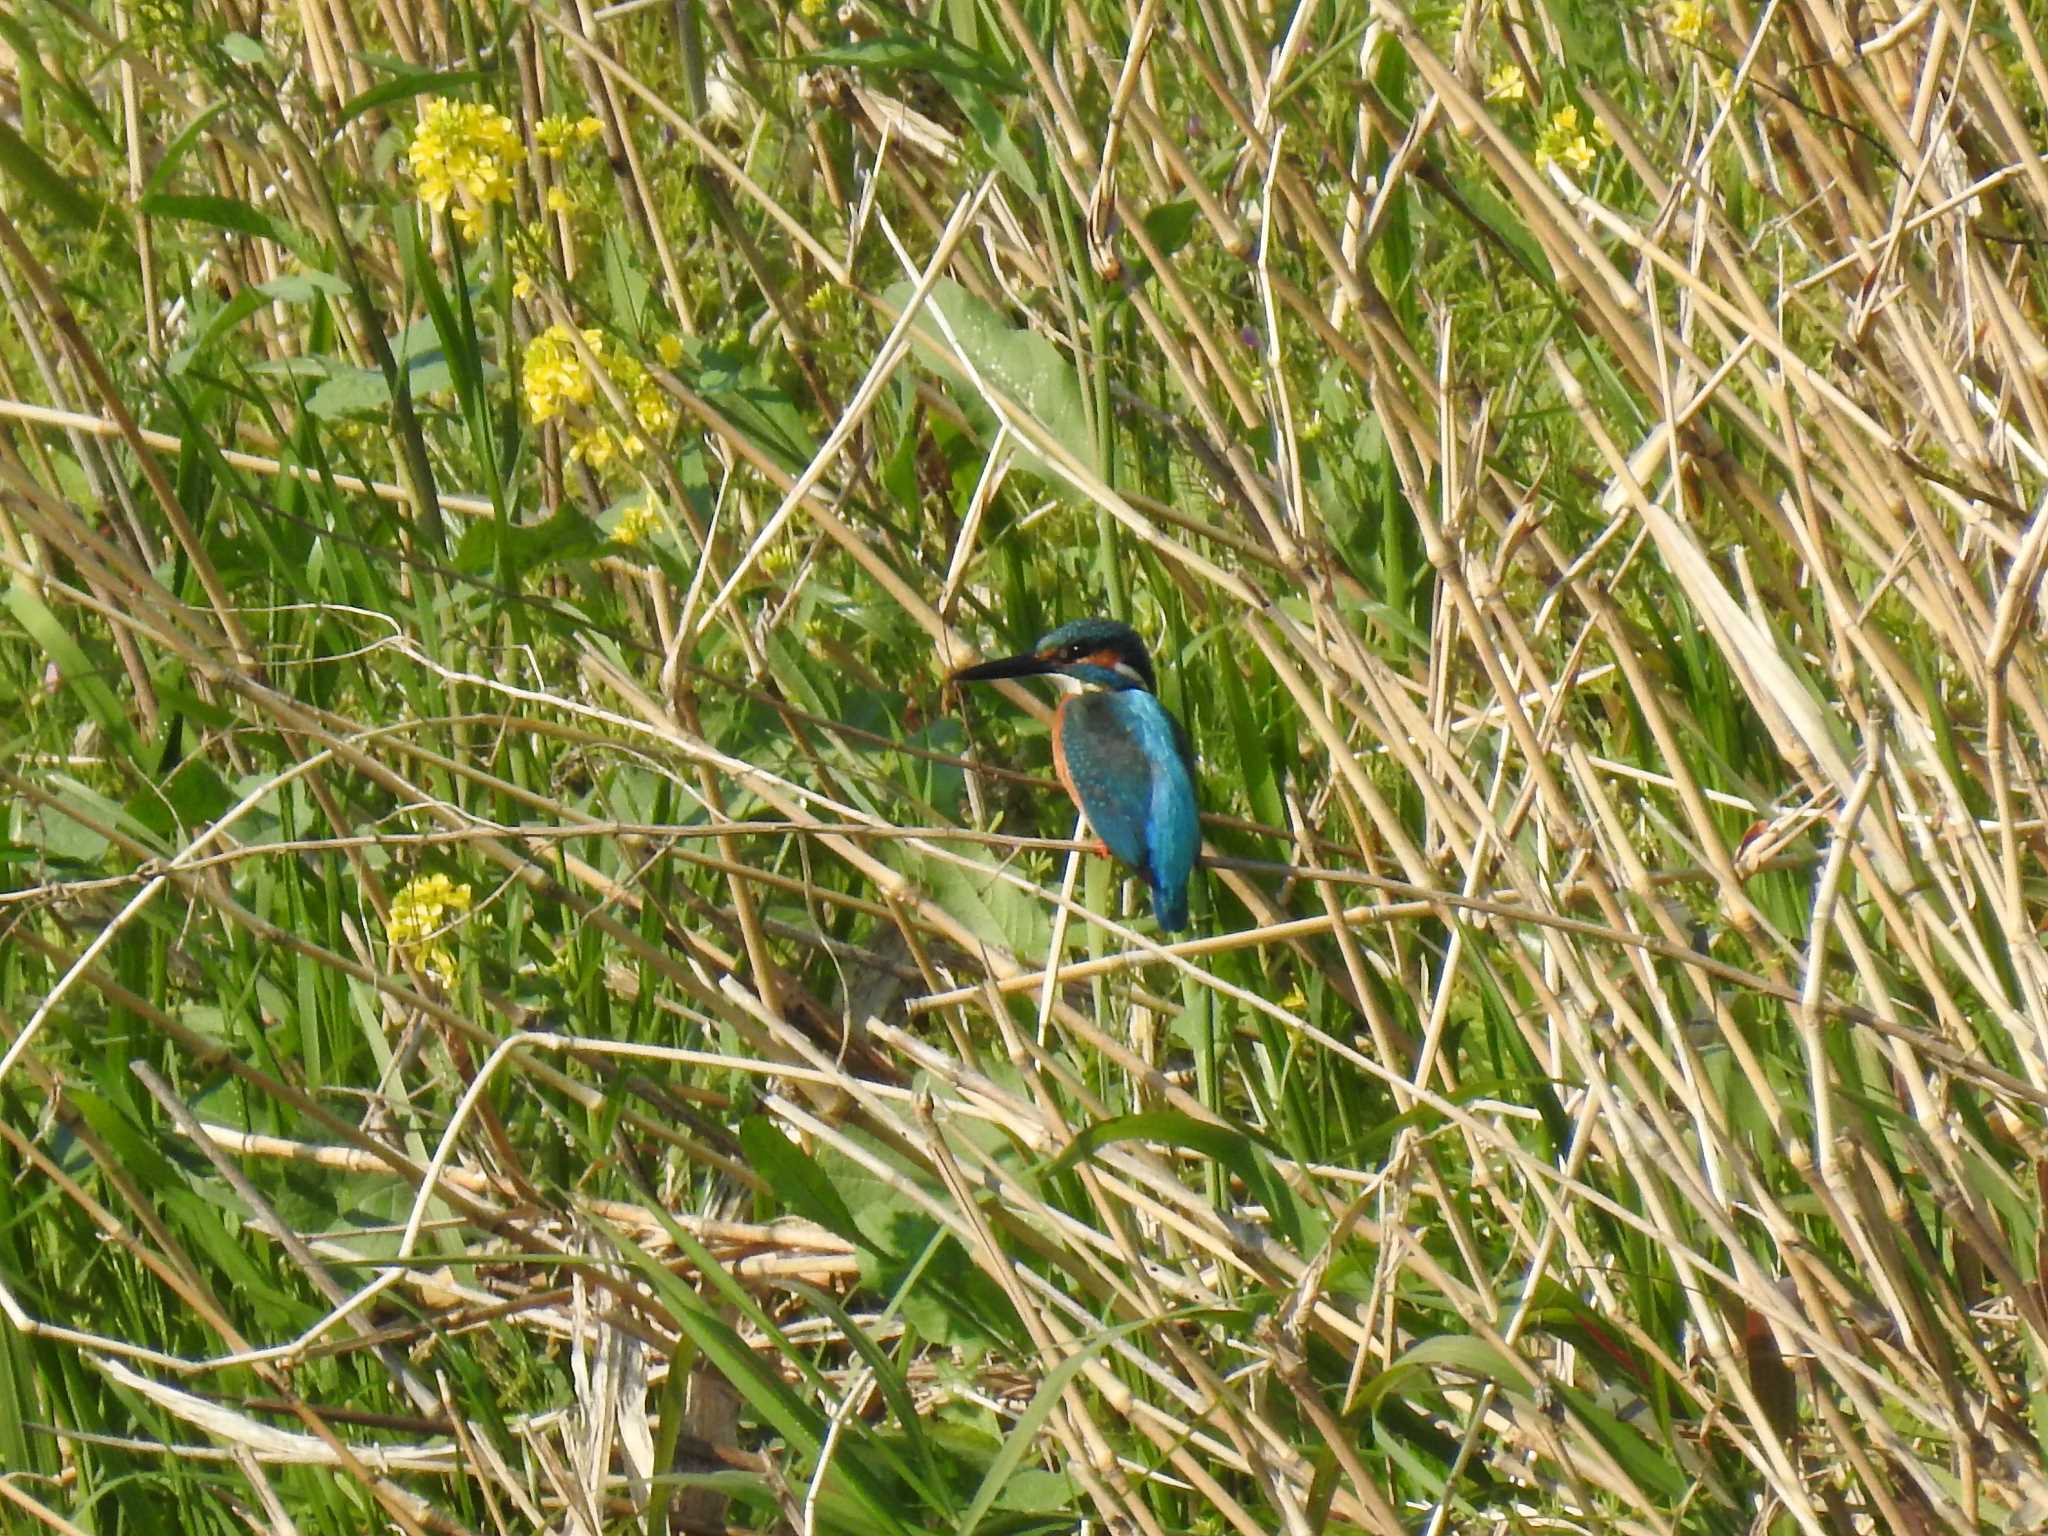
column 1122, row 757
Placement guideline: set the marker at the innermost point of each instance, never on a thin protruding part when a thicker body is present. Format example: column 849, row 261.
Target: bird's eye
column 1076, row 652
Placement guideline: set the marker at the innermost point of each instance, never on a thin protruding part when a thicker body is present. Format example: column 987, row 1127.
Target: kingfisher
column 1123, row 758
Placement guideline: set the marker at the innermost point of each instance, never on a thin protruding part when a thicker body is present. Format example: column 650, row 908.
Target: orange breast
column 1059, row 749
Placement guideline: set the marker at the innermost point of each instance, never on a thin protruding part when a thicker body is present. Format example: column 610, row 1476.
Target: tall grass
column 529, row 1006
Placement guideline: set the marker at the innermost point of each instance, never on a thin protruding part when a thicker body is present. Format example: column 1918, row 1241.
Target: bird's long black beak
column 1026, row 665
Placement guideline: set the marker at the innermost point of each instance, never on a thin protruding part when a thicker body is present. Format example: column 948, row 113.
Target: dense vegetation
column 528, row 1005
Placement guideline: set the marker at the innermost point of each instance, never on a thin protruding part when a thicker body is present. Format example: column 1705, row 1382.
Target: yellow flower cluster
column 637, row 522
column 557, row 134
column 421, row 915
column 598, row 446
column 1565, row 142
column 554, row 373
column 655, row 412
column 465, row 149
column 1689, row 20
column 1506, row 84
column 557, row 378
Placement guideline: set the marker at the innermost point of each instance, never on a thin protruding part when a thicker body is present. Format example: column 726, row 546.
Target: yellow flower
column 561, row 201
column 652, row 409
column 595, row 446
column 472, row 220
column 1506, row 84
column 551, row 135
column 421, row 916
column 1689, row 19
column 522, row 285
column 463, row 147
column 557, row 134
column 669, row 348
column 1562, row 140
column 637, row 522
column 554, row 373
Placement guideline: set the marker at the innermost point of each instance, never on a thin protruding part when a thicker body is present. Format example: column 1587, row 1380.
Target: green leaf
column 1168, row 1127
column 798, row 1181
column 763, row 1388
column 1023, row 1435
column 192, row 133
column 1487, row 209
column 236, row 217
column 528, row 547
column 993, row 137
column 294, row 288
column 45, row 185
column 898, row 53
column 1649, row 1464
column 625, row 282
column 64, row 839
column 1019, row 363
column 406, row 85
column 1237, row 1150
column 1170, row 225
column 346, row 394
column 1255, row 762
column 81, row 676
column 1474, row 1357
column 1035, row 1491
column 244, row 49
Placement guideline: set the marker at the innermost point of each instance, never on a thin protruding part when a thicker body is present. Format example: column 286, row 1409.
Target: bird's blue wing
column 1109, row 772
column 1173, row 833
column 1126, row 759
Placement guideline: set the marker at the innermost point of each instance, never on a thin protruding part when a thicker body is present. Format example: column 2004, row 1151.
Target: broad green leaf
column 1023, row 1435
column 798, row 1181
column 234, row 216
column 45, row 185
column 294, row 288
column 1651, row 1465
column 349, row 393
column 992, row 135
column 1025, row 368
column 244, row 49
column 1170, row 224
column 1475, row 1357
column 407, row 85
column 80, row 675
column 528, row 547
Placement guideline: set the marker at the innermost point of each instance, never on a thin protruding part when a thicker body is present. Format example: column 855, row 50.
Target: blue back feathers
column 1125, row 760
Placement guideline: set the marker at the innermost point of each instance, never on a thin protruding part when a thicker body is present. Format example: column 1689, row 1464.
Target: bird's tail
column 1172, row 907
